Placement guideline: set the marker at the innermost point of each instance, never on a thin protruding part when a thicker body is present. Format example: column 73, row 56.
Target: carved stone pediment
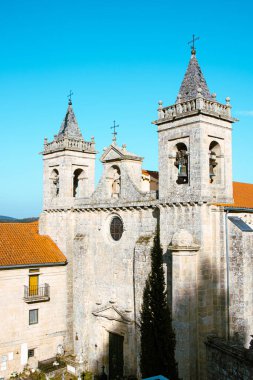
column 111, row 154
column 111, row 313
column 114, row 153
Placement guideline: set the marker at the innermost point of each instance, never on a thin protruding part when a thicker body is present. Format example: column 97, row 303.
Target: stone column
column 184, row 302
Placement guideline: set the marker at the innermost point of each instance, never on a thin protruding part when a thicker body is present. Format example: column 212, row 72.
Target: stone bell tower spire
column 195, row 157
column 69, row 128
column 193, row 80
column 69, row 165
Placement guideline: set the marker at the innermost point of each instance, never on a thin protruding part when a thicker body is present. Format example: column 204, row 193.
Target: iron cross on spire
column 70, row 97
column 194, row 39
column 114, row 130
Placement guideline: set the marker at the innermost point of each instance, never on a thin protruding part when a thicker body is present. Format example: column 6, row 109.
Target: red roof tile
column 21, row 244
column 243, row 195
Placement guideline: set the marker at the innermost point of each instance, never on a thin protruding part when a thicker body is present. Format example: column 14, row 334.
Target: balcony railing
column 71, row 144
column 197, row 104
column 36, row 293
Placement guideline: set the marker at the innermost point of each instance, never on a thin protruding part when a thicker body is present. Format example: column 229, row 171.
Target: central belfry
column 195, row 143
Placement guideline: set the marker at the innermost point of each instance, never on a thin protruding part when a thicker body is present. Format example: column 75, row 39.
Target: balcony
column 36, row 293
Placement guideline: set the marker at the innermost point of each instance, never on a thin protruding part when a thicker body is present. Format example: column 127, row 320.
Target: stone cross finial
column 114, row 130
column 194, row 39
column 70, row 97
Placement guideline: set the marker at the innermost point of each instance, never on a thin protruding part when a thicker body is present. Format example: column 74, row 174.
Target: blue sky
column 119, row 58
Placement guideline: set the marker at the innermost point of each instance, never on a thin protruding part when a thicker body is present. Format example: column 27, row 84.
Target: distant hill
column 8, row 219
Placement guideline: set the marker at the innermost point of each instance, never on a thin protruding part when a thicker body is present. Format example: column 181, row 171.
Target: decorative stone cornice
column 184, row 250
column 126, row 206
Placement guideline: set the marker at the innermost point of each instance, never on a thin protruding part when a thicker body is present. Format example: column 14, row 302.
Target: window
column 34, row 270
column 116, row 228
column 33, row 316
column 31, row 353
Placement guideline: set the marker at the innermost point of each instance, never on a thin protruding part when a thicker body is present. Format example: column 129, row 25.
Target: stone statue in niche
column 212, row 164
column 115, row 183
column 181, row 163
column 55, row 184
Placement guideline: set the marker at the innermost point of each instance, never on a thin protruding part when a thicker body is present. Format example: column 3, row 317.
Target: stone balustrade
column 198, row 103
column 66, row 143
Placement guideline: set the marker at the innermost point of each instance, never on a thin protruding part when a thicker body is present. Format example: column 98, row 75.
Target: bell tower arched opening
column 78, row 183
column 54, row 179
column 215, row 163
column 181, row 163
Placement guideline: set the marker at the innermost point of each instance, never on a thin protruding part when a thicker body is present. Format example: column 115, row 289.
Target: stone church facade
column 106, row 233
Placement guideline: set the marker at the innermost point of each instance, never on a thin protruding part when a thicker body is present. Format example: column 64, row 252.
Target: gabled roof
column 193, row 80
column 69, row 127
column 21, row 245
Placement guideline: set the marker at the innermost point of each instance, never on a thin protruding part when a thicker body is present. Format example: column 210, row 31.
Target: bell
column 182, row 171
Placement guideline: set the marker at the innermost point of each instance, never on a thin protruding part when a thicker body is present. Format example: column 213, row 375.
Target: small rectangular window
column 34, row 270
column 31, row 353
column 33, row 316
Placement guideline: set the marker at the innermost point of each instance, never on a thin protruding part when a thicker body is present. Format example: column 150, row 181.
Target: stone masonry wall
column 228, row 361
column 241, row 282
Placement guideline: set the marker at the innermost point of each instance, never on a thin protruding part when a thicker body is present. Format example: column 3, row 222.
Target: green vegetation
column 157, row 335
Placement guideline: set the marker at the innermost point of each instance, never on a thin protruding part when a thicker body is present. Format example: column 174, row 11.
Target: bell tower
column 195, row 154
column 69, row 165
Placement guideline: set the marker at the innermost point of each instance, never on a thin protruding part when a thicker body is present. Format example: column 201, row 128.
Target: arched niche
column 78, row 183
column 181, row 163
column 214, row 162
column 114, row 177
column 54, row 183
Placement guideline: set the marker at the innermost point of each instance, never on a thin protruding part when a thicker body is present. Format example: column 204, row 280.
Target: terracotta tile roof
column 152, row 173
column 21, row 244
column 243, row 196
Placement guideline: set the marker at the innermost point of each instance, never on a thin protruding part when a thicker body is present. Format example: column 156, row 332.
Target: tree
column 157, row 335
